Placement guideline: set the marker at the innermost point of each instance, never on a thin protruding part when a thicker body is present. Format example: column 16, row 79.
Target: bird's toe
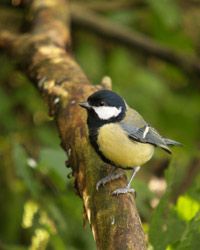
column 109, row 178
column 123, row 191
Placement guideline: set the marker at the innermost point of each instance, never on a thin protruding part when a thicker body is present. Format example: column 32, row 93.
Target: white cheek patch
column 106, row 112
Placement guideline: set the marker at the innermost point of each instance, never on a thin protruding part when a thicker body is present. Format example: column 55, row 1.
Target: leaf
column 187, row 207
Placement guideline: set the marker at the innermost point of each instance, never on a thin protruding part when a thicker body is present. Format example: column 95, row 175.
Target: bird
column 120, row 136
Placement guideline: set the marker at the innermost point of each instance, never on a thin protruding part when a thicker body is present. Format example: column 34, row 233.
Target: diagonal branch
column 102, row 6
column 42, row 55
column 134, row 40
column 125, row 36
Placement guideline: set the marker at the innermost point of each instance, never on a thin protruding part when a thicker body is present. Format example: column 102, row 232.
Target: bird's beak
column 85, row 105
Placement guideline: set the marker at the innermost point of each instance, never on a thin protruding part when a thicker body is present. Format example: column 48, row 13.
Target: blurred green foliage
column 39, row 209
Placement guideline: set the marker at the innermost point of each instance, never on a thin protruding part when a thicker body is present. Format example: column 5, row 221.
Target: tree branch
column 119, row 34
column 42, row 55
column 102, row 6
column 125, row 36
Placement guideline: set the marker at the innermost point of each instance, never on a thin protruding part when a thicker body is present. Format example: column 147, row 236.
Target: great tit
column 120, row 135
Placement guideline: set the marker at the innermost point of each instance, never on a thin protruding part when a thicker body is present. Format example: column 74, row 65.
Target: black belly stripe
column 93, row 125
column 93, row 141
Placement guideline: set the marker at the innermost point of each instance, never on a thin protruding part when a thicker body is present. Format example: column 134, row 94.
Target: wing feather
column 137, row 129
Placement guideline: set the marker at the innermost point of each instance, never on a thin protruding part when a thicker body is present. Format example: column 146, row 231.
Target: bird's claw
column 124, row 191
column 111, row 177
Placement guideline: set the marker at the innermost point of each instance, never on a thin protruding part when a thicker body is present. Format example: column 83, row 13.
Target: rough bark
column 43, row 56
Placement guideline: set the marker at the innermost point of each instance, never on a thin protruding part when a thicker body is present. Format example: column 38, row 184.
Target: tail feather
column 169, row 142
column 166, row 148
column 172, row 142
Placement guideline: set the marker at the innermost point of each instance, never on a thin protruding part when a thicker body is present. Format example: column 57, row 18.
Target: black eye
column 102, row 103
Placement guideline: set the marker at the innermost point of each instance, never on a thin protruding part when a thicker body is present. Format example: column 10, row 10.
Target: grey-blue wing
column 138, row 129
column 145, row 134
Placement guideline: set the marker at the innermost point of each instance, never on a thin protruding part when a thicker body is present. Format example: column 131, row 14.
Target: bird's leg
column 127, row 189
column 114, row 175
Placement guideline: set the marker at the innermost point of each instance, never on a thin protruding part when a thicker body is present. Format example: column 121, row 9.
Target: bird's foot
column 127, row 189
column 124, row 191
column 109, row 178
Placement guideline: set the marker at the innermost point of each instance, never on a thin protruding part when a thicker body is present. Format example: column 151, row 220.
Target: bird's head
column 105, row 105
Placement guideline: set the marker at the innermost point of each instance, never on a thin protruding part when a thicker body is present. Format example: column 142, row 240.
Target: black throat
column 95, row 123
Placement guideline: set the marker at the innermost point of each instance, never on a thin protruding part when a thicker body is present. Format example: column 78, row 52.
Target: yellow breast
column 118, row 148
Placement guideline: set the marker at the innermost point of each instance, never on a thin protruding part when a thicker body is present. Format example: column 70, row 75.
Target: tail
column 169, row 142
column 172, row 142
